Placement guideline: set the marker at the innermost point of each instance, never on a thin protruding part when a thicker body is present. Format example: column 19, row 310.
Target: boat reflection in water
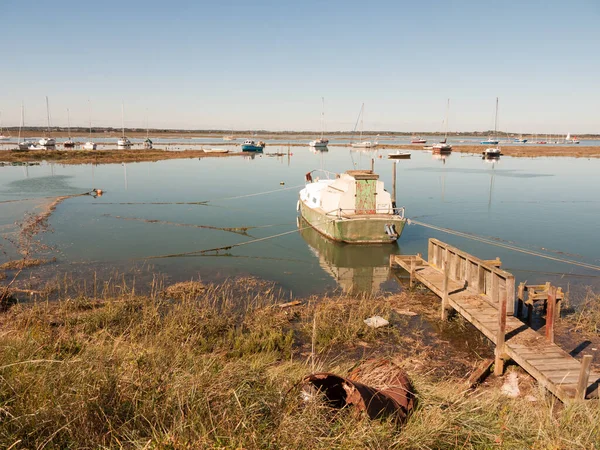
column 440, row 157
column 356, row 268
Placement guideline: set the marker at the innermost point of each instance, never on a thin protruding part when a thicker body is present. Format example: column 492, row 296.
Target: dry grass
column 586, row 317
column 107, row 156
column 24, row 263
column 217, row 368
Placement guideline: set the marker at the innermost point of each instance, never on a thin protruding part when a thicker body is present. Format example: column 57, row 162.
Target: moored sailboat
column 48, row 141
column 69, row 142
column 123, row 142
column 493, row 152
column 443, row 146
column 321, row 142
column 361, row 143
column 90, row 145
column 353, row 208
column 23, row 144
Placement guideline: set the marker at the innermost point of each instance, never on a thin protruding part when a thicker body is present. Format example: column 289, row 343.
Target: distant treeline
column 288, row 133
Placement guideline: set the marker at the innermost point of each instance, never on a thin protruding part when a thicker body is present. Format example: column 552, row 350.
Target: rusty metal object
column 396, row 398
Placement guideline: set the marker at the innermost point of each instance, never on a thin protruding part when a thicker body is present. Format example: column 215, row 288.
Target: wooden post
column 480, row 279
column 510, row 296
column 430, row 259
column 584, row 375
column 445, row 288
column 413, row 265
column 372, row 164
column 520, row 298
column 501, row 333
column 394, row 184
column 550, row 313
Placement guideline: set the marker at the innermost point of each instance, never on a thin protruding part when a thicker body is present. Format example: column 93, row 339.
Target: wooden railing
column 481, row 277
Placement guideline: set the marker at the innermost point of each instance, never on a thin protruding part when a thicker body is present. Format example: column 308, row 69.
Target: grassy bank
column 197, row 366
column 106, row 156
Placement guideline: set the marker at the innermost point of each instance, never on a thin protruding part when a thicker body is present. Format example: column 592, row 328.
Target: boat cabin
column 356, row 192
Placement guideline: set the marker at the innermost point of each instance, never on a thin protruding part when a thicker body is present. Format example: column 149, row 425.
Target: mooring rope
column 503, row 245
column 203, row 202
column 228, row 247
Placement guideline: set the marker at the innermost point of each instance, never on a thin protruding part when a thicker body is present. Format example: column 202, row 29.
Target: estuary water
column 153, row 210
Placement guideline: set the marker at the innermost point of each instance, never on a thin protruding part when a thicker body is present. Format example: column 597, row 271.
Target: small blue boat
column 520, row 140
column 251, row 146
column 490, row 141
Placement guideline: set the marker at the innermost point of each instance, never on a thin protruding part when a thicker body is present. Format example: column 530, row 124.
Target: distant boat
column 418, row 140
column 25, row 144
column 520, row 140
column 48, row 141
column 399, row 155
column 215, row 150
column 251, row 146
column 361, row 143
column 123, row 142
column 444, row 146
column 69, row 142
column 229, row 138
column 490, row 141
column 568, row 139
column 493, row 152
column 353, row 208
column 147, row 141
column 90, row 145
column 321, row 142
column 2, row 136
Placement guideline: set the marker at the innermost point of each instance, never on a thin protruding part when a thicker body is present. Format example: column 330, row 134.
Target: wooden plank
column 583, row 377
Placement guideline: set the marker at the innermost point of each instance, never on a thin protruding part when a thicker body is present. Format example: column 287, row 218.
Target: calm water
column 541, row 203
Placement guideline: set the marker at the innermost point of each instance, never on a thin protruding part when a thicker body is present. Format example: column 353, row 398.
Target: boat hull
column 361, row 230
column 251, row 148
column 490, row 142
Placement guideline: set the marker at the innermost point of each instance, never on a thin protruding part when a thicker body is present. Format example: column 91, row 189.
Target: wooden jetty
column 485, row 296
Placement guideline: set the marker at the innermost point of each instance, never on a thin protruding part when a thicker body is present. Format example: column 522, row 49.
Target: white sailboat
column 69, row 142
column 90, row 145
column 321, row 142
column 494, row 152
column 2, row 136
column 148, row 141
column 443, row 146
column 48, row 141
column 361, row 143
column 569, row 140
column 25, row 144
column 123, row 142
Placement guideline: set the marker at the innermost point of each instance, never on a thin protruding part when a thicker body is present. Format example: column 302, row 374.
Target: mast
column 123, row 119
column 447, row 112
column 48, row 114
column 90, row 117
column 362, row 118
column 496, row 121
column 21, row 125
column 322, row 117
column 68, row 124
column 147, row 127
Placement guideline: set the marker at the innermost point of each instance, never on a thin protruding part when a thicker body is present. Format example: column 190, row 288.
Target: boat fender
column 298, row 205
column 308, row 177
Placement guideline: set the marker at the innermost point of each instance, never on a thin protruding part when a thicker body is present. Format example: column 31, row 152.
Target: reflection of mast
column 491, row 187
column 125, row 173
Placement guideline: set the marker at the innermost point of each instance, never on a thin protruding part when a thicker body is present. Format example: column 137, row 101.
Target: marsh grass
column 218, row 367
column 586, row 317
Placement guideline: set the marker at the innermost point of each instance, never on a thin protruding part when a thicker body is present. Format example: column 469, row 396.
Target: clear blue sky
column 266, row 64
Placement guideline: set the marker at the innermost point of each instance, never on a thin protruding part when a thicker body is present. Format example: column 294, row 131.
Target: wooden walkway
column 485, row 296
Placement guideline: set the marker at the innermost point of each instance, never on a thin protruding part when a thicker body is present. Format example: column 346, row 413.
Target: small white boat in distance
column 89, row 146
column 319, row 142
column 399, row 155
column 47, row 142
column 493, row 152
column 215, row 150
column 229, row 138
column 365, row 144
column 123, row 143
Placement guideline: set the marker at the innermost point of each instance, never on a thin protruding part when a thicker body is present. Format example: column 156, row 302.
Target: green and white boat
column 352, row 207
